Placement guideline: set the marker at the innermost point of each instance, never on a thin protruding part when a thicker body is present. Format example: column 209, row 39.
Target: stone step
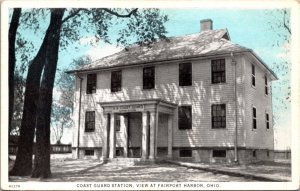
column 129, row 161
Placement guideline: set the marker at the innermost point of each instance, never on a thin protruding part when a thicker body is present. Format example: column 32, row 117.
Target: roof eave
column 264, row 64
column 153, row 62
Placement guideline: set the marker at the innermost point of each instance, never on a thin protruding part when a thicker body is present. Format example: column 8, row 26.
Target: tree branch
column 284, row 24
column 119, row 15
column 72, row 15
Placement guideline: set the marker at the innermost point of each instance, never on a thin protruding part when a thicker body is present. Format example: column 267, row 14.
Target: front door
column 134, row 135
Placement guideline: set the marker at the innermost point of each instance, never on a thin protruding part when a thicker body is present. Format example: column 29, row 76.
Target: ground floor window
column 89, row 152
column 219, row 153
column 185, row 117
column 90, row 121
column 218, row 116
column 254, row 153
column 185, row 153
column 268, row 153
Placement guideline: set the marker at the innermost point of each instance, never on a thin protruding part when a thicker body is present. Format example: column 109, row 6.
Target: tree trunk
column 12, row 59
column 23, row 163
column 42, row 157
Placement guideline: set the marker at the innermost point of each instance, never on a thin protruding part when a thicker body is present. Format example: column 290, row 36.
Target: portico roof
column 138, row 106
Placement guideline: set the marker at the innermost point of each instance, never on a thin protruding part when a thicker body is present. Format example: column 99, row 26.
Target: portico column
column 124, row 125
column 145, row 135
column 152, row 134
column 105, row 137
column 112, row 137
column 170, row 135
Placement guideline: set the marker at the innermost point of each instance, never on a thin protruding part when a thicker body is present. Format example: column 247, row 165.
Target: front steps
column 130, row 161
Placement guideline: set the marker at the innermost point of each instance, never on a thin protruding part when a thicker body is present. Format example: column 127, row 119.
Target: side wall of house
column 261, row 139
column 201, row 95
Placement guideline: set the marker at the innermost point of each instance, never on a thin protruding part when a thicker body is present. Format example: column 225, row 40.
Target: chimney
column 206, row 24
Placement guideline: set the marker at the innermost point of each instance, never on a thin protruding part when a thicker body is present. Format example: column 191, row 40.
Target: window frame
column 253, row 77
column 182, row 126
column 218, row 150
column 149, row 79
column 185, row 74
column 87, row 121
column 267, row 116
column 221, row 72
column 266, row 86
column 254, row 118
column 91, row 86
column 213, row 118
column 116, row 81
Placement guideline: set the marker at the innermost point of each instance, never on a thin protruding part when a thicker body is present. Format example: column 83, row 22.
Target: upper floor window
column 254, row 118
column 90, row 121
column 218, row 113
column 116, row 81
column 218, row 71
column 91, row 83
column 148, row 77
column 253, row 75
column 267, row 121
column 266, row 86
column 185, row 117
column 185, row 74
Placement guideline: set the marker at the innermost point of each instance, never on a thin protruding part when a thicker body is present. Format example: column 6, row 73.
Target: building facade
column 198, row 98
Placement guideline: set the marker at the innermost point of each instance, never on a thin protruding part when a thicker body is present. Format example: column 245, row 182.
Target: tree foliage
column 38, row 94
column 62, row 108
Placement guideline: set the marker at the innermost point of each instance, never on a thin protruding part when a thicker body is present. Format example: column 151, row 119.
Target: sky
column 248, row 28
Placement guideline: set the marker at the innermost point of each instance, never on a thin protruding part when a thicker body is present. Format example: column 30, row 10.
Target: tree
column 12, row 58
column 279, row 24
column 47, row 57
column 19, row 85
column 62, row 108
column 23, row 163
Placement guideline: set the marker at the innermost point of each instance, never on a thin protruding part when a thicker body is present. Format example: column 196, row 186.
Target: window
column 89, row 152
column 253, row 75
column 254, row 153
column 148, row 78
column 185, row 117
column 185, row 153
column 218, row 113
column 218, row 71
column 91, row 83
column 219, row 153
column 118, row 125
column 116, row 81
column 254, row 118
column 267, row 121
column 266, row 86
column 268, row 153
column 89, row 121
column 185, row 74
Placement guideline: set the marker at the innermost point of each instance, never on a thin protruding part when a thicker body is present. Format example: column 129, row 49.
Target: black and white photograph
column 150, row 95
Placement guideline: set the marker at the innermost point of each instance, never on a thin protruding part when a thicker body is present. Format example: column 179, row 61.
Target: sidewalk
column 262, row 171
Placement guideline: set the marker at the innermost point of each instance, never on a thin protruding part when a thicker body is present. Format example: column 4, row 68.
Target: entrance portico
column 149, row 111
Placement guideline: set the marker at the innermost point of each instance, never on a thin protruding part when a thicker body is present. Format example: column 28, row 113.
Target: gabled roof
column 204, row 43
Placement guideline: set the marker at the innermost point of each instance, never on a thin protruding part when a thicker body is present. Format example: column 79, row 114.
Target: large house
column 198, row 97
